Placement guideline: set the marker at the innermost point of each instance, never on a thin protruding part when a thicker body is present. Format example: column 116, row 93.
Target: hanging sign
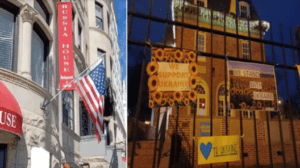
column 172, row 77
column 218, row 149
column 65, row 45
column 252, row 86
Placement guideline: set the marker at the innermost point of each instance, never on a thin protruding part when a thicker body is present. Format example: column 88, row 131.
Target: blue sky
column 120, row 6
column 275, row 11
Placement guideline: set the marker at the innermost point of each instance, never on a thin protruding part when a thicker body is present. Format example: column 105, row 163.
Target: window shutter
column 6, row 39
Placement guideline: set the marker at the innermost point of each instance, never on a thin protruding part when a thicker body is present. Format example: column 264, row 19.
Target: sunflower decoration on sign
column 184, row 97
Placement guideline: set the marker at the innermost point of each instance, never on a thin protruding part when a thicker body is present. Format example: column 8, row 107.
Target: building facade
column 29, row 70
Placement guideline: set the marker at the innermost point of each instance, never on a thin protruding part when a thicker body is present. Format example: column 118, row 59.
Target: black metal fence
column 286, row 72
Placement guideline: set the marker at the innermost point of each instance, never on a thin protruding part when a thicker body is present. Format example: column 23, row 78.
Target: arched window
column 8, row 31
column 201, row 100
column 221, row 102
column 39, row 57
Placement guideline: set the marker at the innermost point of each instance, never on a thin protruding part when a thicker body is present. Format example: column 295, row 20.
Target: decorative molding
column 91, row 138
column 102, row 32
column 28, row 14
column 19, row 80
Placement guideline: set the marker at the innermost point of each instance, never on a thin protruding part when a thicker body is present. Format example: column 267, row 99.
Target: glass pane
column 99, row 23
column 37, row 59
column 6, row 39
column 98, row 11
column 38, row 7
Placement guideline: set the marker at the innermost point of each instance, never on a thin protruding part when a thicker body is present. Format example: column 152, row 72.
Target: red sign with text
column 65, row 45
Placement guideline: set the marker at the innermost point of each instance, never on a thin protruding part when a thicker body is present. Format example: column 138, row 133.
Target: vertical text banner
column 65, row 43
column 218, row 149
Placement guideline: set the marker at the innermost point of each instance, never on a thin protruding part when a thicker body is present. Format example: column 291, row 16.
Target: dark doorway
column 3, row 148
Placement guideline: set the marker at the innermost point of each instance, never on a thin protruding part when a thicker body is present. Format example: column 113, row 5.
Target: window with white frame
column 68, row 108
column 243, row 11
column 221, row 102
column 201, row 42
column 246, row 50
column 200, row 3
column 248, row 113
column 99, row 16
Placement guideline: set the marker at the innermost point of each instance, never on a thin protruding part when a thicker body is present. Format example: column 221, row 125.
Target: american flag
column 91, row 89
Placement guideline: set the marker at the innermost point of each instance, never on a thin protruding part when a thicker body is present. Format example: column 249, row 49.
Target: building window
column 99, row 16
column 200, row 3
column 73, row 27
column 7, row 38
column 201, row 101
column 3, row 152
column 100, row 53
column 221, row 102
column 246, row 50
column 79, row 36
column 41, row 8
column 87, row 125
column 39, row 57
column 248, row 113
column 201, row 42
column 108, row 20
column 68, row 109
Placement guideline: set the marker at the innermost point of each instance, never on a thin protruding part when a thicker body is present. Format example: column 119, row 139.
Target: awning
column 10, row 113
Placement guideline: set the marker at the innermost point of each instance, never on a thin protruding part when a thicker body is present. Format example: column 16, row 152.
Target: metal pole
column 156, row 137
column 281, row 139
column 225, row 74
column 211, row 76
column 261, row 45
column 255, row 136
column 194, row 138
column 237, row 39
column 249, row 36
column 242, row 138
column 139, row 105
column 175, row 162
column 269, row 139
column 289, row 101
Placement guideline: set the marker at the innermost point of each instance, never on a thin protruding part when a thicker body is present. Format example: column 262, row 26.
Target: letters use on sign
column 65, row 43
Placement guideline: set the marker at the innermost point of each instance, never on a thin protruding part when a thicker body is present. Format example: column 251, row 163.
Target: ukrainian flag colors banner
column 218, row 149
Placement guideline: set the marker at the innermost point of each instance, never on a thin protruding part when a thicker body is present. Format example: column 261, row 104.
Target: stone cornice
column 28, row 14
column 17, row 79
column 91, row 138
column 102, row 32
column 70, row 132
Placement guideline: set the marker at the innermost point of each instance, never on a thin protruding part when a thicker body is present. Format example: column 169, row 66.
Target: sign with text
column 173, row 76
column 217, row 149
column 204, row 128
column 65, row 45
column 252, row 86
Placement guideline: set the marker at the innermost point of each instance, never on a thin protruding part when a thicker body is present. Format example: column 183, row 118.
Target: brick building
column 211, row 87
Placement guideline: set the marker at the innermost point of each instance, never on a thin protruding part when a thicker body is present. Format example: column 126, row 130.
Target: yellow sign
column 218, row 149
column 298, row 67
column 173, row 76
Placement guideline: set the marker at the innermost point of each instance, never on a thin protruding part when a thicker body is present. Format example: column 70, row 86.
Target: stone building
column 62, row 131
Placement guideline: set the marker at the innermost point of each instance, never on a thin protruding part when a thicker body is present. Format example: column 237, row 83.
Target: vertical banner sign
column 252, row 86
column 65, row 43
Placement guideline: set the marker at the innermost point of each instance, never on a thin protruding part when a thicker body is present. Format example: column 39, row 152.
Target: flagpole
column 43, row 106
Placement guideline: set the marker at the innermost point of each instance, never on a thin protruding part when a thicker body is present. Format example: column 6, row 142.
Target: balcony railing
column 190, row 12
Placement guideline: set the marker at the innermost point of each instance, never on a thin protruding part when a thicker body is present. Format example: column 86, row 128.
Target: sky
column 120, row 6
column 274, row 11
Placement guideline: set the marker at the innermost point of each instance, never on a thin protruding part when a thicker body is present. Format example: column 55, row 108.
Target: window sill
column 70, row 132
